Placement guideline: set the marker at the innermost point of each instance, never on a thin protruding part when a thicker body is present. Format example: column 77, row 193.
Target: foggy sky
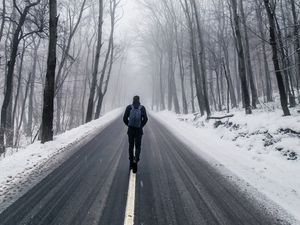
column 134, row 78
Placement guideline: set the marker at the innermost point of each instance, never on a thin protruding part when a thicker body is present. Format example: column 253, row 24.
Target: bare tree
column 263, row 44
column 48, row 107
column 297, row 40
column 90, row 107
column 270, row 9
column 202, row 58
column 22, row 111
column 194, row 54
column 248, row 57
column 61, row 76
column 103, row 84
column 3, row 18
column 17, row 37
column 241, row 57
column 36, row 44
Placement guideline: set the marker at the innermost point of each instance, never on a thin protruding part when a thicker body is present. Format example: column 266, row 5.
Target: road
column 173, row 186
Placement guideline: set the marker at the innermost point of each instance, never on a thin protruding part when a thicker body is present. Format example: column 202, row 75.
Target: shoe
column 131, row 165
column 134, row 167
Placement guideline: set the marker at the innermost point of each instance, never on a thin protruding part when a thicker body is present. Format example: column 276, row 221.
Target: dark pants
column 135, row 139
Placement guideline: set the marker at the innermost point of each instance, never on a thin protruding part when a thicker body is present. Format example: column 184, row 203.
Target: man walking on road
column 135, row 117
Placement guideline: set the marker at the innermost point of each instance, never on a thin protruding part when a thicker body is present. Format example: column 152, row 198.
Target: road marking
column 142, row 184
column 129, row 213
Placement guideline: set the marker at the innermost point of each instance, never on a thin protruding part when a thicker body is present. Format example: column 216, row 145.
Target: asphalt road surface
column 173, row 186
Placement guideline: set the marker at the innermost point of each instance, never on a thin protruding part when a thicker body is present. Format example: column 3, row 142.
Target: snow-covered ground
column 261, row 149
column 26, row 167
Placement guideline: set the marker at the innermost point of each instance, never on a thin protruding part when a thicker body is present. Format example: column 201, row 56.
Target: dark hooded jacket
column 144, row 117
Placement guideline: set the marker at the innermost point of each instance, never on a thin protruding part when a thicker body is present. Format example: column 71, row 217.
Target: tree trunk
column 221, row 81
column 268, row 82
column 241, row 58
column 297, row 39
column 3, row 18
column 261, row 76
column 192, row 84
column 32, row 89
column 7, row 45
column 162, row 93
column 59, row 96
column 110, row 52
column 248, row 58
column 181, row 71
column 22, row 111
column 73, row 100
column 11, row 136
column 211, row 85
column 48, row 107
column 153, row 97
column 231, row 88
column 90, row 107
column 228, row 84
column 174, row 93
column 284, row 51
column 86, row 79
column 273, row 43
column 170, row 71
column 237, row 83
column 83, row 101
column 202, row 60
column 100, row 91
column 183, row 96
column 218, row 90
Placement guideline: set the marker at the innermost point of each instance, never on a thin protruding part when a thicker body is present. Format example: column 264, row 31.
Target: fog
column 130, row 75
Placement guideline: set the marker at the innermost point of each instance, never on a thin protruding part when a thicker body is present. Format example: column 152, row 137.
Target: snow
column 23, row 169
column 242, row 152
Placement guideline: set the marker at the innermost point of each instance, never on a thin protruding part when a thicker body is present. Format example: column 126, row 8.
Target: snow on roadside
column 267, row 171
column 25, row 168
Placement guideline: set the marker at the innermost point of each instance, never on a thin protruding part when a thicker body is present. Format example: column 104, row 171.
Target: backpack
column 135, row 117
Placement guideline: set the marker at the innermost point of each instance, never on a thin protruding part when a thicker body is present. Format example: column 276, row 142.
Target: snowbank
column 21, row 170
column 267, row 171
column 261, row 131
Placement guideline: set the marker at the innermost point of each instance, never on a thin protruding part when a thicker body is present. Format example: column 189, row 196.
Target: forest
column 59, row 59
column 217, row 55
column 56, row 63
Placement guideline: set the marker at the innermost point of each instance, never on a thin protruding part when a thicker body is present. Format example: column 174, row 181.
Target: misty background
column 130, row 76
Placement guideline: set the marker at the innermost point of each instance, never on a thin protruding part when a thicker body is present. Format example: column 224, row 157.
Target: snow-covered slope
column 22, row 169
column 261, row 131
column 255, row 148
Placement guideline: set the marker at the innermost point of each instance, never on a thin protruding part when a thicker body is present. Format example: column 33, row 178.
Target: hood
column 136, row 104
